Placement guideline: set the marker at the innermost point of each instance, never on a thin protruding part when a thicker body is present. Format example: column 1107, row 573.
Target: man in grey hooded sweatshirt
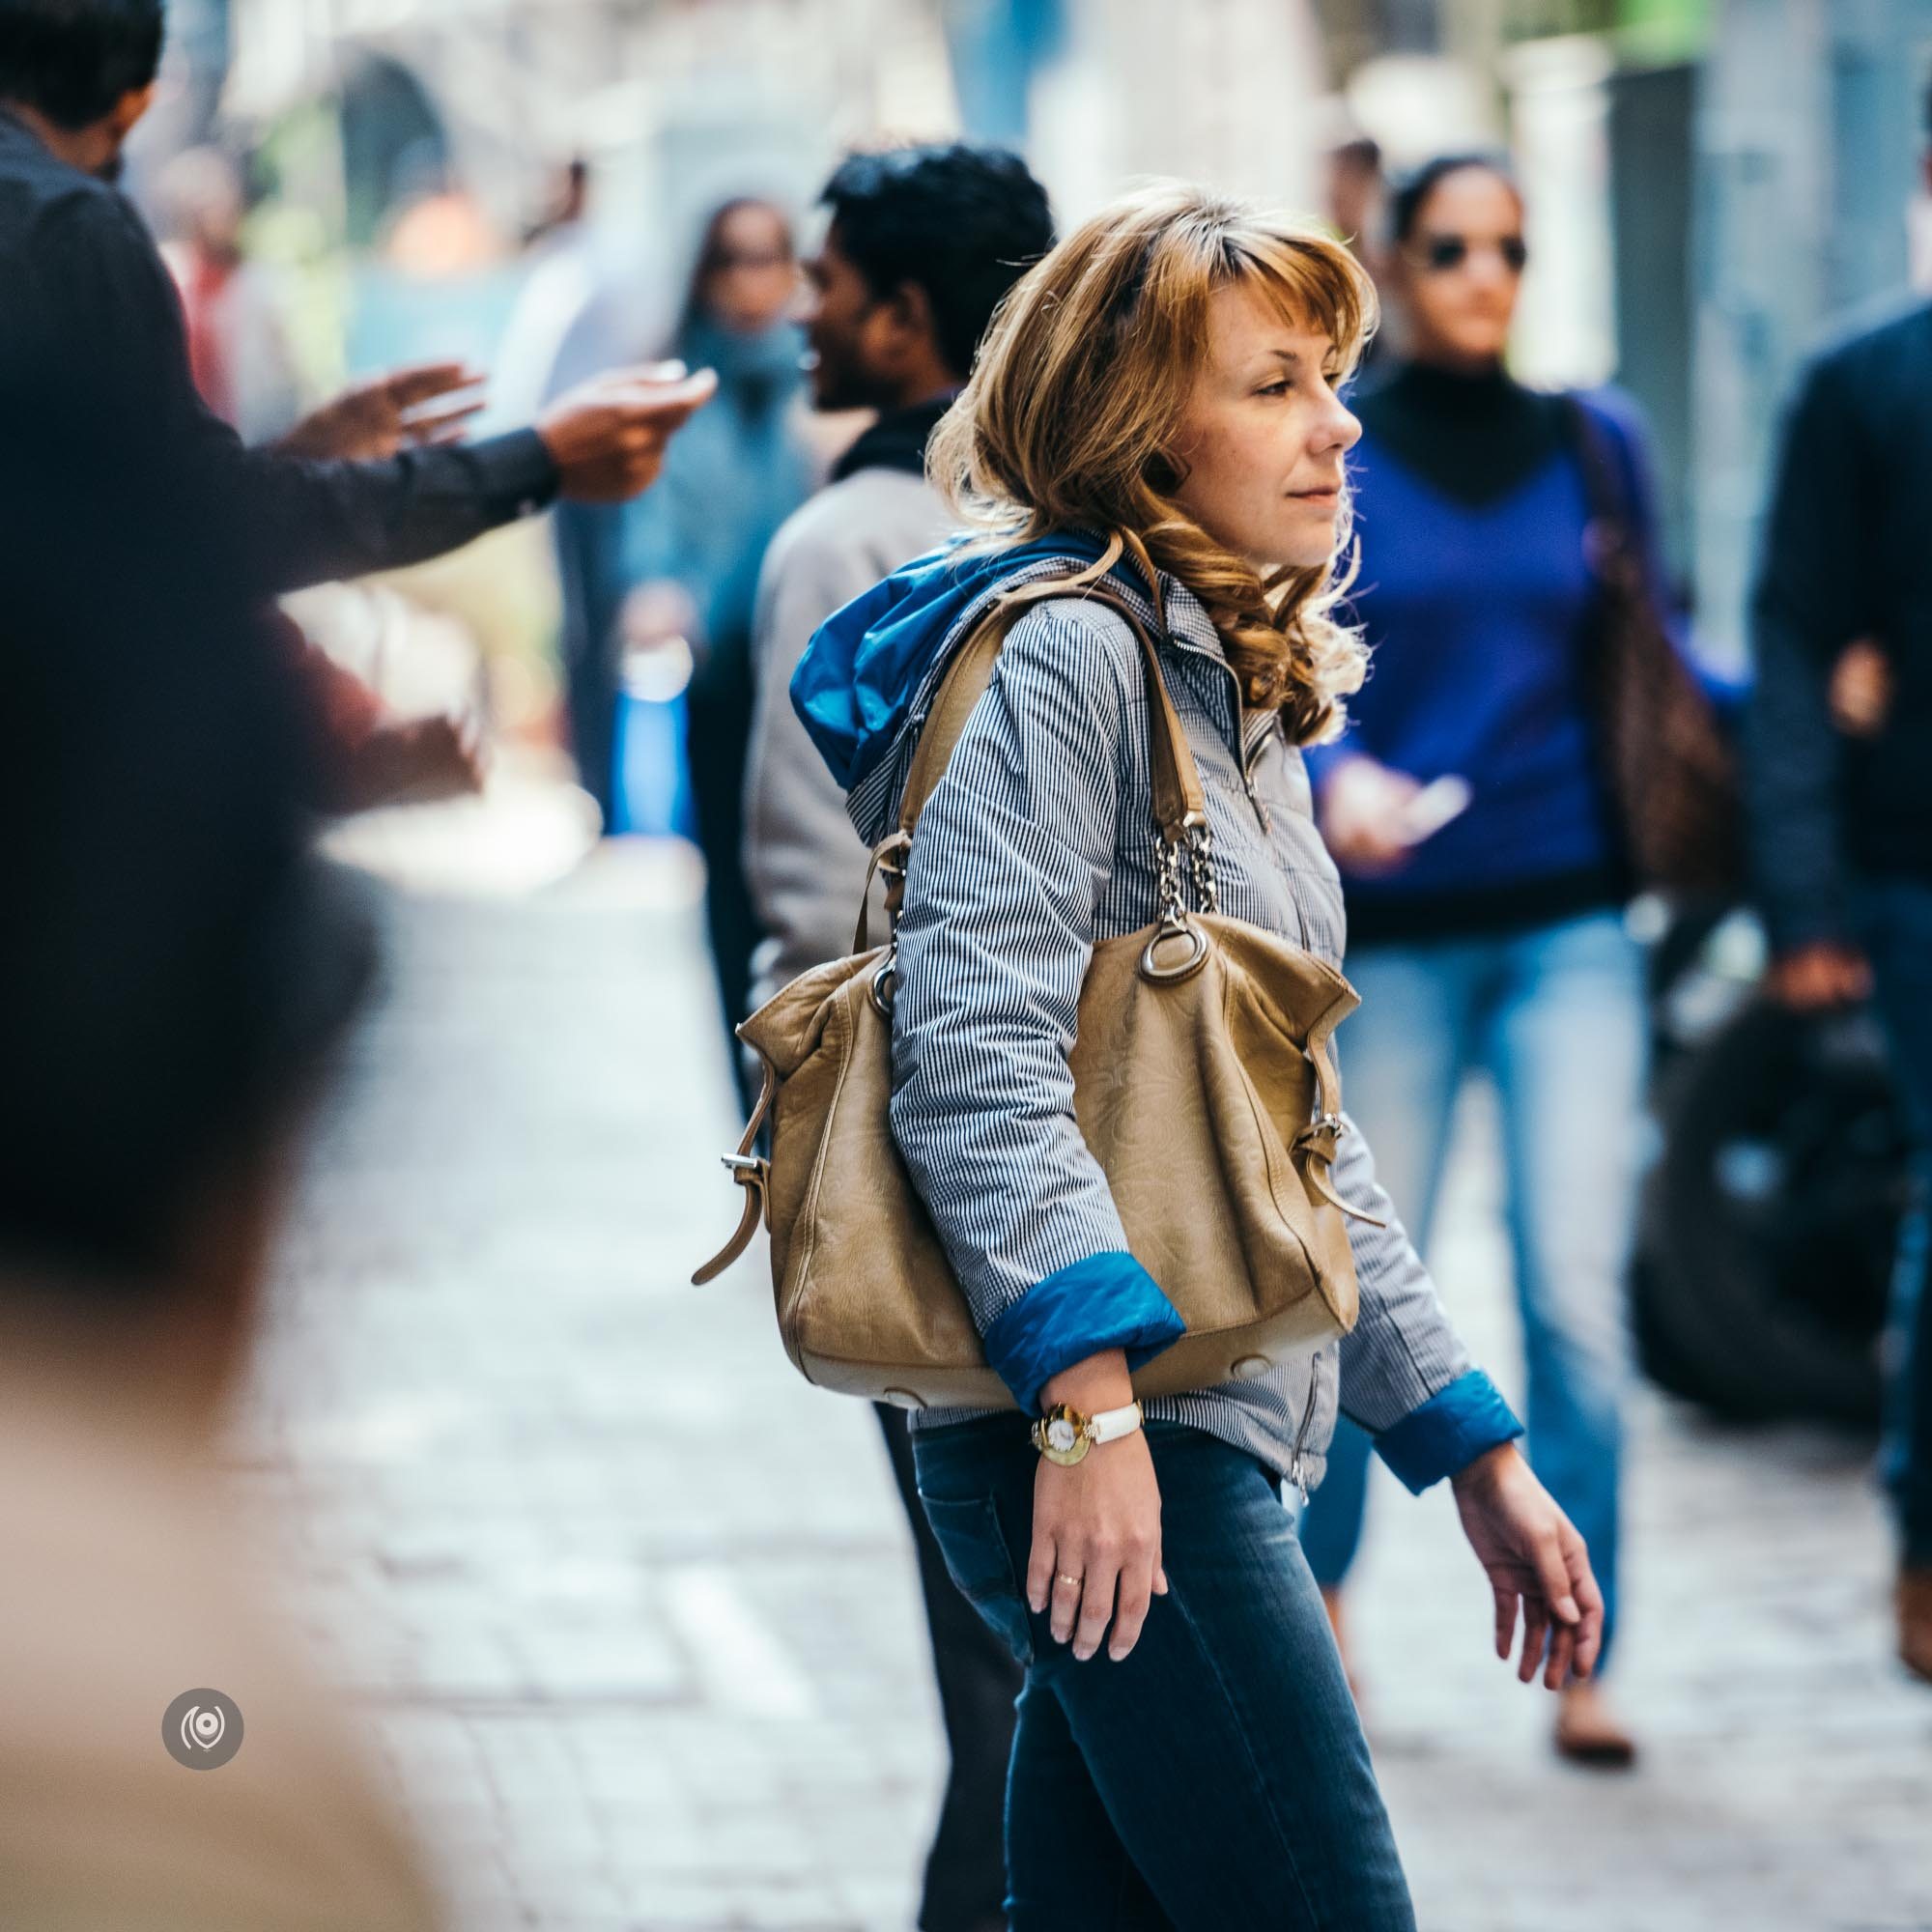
column 922, row 245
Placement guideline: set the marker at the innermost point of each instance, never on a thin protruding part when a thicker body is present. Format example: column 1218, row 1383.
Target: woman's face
column 753, row 276
column 1264, row 436
column 1461, row 271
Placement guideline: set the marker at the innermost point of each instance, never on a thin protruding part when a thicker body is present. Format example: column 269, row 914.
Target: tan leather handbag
column 1202, row 1084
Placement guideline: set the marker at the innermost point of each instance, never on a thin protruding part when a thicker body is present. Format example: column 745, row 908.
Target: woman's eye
column 1272, row 390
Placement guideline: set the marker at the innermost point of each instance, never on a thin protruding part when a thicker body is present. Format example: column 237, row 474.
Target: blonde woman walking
column 1159, row 400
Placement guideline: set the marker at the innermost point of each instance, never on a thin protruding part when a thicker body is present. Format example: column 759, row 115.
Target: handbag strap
column 1179, row 804
column 1612, row 541
column 1179, row 801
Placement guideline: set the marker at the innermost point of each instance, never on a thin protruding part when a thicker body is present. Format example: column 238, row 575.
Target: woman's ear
column 910, row 309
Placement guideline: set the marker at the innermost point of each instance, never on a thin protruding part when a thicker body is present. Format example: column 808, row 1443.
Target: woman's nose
column 1339, row 429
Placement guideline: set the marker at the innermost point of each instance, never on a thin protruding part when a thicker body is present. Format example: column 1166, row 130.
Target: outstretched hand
column 428, row 404
column 1537, row 1564
column 607, row 438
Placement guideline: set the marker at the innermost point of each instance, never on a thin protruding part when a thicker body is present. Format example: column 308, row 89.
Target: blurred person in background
column 1492, row 938
column 688, row 556
column 922, row 245
column 1839, row 763
column 568, row 205
column 238, row 339
column 90, row 299
column 1355, row 189
column 174, row 973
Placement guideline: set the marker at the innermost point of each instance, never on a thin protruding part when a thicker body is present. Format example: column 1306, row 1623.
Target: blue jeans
column 1896, row 919
column 1217, row 1776
column 1555, row 1016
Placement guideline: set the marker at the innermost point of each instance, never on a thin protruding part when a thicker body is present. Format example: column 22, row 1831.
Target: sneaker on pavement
column 1589, row 1732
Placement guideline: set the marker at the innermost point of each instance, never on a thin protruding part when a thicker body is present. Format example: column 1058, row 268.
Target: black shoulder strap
column 1604, row 490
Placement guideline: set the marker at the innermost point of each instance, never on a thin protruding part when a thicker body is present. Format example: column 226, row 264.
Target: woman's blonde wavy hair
column 1069, row 418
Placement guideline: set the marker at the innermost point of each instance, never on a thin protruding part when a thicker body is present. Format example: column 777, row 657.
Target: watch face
column 1061, row 1433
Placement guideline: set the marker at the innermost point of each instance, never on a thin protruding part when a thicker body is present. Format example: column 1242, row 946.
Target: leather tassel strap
column 754, row 1173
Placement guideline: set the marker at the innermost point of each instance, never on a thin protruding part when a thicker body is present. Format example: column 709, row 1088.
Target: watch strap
column 1111, row 1424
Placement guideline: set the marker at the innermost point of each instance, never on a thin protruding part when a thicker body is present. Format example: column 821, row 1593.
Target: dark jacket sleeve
column 1808, row 602
column 114, row 304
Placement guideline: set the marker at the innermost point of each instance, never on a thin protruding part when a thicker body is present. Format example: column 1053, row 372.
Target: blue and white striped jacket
column 1039, row 842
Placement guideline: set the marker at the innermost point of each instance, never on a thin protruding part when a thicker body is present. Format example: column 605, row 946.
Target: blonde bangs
column 1313, row 283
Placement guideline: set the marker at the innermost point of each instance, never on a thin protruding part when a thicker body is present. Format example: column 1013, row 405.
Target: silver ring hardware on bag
column 885, row 982
column 1197, row 949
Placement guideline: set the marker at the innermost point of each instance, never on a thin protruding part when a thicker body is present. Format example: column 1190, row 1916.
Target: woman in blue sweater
column 1484, row 882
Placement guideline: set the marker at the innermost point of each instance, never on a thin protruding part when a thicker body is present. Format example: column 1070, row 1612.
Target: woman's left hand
column 1535, row 1560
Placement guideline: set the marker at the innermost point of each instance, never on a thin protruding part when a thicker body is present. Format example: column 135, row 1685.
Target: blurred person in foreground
column 88, row 299
column 1839, row 764
column 1491, row 939
column 174, row 973
column 688, row 553
column 922, row 246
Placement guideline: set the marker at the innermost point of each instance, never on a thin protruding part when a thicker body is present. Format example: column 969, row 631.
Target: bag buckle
column 1174, row 972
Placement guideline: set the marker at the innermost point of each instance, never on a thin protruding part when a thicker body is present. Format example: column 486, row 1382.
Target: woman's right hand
column 1362, row 814
column 1096, row 1521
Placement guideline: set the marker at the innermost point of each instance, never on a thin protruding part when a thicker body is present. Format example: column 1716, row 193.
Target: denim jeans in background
column 1218, row 1776
column 1555, row 1015
column 1896, row 919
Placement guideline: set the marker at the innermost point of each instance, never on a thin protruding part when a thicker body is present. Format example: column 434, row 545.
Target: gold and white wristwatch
column 1063, row 1435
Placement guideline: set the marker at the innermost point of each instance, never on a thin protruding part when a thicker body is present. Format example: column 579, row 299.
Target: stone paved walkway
column 627, row 1606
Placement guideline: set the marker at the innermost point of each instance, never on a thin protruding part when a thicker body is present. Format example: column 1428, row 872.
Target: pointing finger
column 1535, row 1637
column 1553, row 1580
column 1506, row 1608
column 424, row 382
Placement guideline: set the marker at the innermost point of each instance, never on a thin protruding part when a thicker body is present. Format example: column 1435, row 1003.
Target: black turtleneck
column 896, row 440
column 1472, row 437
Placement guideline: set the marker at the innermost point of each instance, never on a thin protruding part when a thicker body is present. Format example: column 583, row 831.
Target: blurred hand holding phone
column 1373, row 817
column 1433, row 808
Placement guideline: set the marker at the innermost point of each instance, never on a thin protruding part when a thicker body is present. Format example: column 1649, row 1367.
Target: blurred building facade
column 1809, row 119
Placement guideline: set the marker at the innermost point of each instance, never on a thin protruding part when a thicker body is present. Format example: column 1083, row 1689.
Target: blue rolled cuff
column 1105, row 1301
column 1448, row 1431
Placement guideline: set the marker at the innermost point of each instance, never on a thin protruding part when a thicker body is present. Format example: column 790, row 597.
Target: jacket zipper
column 1245, row 758
column 1249, row 760
column 1298, row 1461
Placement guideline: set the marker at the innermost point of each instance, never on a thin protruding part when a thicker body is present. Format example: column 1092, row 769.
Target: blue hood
column 861, row 674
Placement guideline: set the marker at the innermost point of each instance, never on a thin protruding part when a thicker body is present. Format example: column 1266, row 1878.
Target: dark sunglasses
column 1442, row 252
